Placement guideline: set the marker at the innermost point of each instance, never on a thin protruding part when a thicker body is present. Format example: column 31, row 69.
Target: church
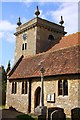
column 43, row 44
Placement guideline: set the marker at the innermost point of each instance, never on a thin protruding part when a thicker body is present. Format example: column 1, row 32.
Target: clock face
column 24, row 36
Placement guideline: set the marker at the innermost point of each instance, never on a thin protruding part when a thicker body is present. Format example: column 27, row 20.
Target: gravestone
column 75, row 114
column 58, row 115
column 41, row 117
column 41, row 110
column 52, row 109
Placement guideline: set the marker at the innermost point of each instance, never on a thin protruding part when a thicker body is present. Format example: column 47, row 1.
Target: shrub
column 25, row 117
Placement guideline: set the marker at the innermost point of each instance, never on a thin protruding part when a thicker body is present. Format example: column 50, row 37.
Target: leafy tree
column 8, row 67
column 3, row 81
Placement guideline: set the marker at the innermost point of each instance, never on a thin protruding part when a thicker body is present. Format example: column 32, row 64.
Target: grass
column 26, row 117
column 30, row 117
column 2, row 106
column 68, row 118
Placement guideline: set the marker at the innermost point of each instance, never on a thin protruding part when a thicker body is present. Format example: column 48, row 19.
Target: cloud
column 24, row 20
column 1, row 35
column 6, row 31
column 9, row 37
column 49, row 1
column 6, row 26
column 11, row 63
column 42, row 15
column 40, row 1
column 69, row 11
column 79, row 16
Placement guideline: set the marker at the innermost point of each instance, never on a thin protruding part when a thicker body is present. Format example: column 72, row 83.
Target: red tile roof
column 60, row 62
column 63, row 58
column 67, row 41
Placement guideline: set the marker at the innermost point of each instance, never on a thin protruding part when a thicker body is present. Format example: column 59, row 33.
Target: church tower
column 36, row 36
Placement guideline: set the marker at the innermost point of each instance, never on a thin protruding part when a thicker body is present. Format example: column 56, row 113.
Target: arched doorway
column 37, row 97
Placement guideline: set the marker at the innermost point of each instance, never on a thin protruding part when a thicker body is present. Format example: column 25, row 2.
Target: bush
column 25, row 117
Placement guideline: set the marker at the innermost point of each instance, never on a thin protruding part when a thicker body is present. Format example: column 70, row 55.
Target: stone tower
column 36, row 36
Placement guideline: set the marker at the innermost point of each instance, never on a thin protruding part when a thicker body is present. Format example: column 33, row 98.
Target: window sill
column 24, row 94
column 62, row 95
column 13, row 94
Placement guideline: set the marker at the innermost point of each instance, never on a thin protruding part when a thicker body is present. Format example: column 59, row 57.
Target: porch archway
column 37, row 97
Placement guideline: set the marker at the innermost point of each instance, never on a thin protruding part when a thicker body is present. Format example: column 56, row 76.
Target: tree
column 3, row 81
column 8, row 67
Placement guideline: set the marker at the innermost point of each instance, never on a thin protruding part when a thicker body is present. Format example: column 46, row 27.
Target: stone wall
column 31, row 44
column 79, row 93
column 18, row 101
column 43, row 43
column 50, row 87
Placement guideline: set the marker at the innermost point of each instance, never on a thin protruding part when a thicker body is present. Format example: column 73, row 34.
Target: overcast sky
column 10, row 11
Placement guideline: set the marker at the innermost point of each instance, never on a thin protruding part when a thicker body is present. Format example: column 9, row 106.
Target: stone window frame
column 14, row 87
column 24, row 46
column 24, row 87
column 63, row 87
column 60, row 88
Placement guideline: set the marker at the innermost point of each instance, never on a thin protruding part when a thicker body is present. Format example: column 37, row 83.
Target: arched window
column 51, row 38
column 60, row 87
column 25, row 46
column 65, row 87
column 22, row 46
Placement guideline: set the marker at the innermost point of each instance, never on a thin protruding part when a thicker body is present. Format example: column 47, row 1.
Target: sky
column 49, row 9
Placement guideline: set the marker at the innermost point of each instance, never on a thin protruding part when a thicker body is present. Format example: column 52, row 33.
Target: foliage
column 4, row 77
column 3, row 81
column 8, row 67
column 68, row 118
column 25, row 117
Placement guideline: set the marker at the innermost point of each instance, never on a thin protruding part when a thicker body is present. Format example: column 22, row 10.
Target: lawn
column 2, row 106
column 68, row 118
column 26, row 117
column 29, row 117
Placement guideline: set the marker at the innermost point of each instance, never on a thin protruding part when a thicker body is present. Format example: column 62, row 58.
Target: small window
column 51, row 38
column 25, row 46
column 14, row 87
column 60, row 87
column 65, row 87
column 22, row 46
column 24, row 87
